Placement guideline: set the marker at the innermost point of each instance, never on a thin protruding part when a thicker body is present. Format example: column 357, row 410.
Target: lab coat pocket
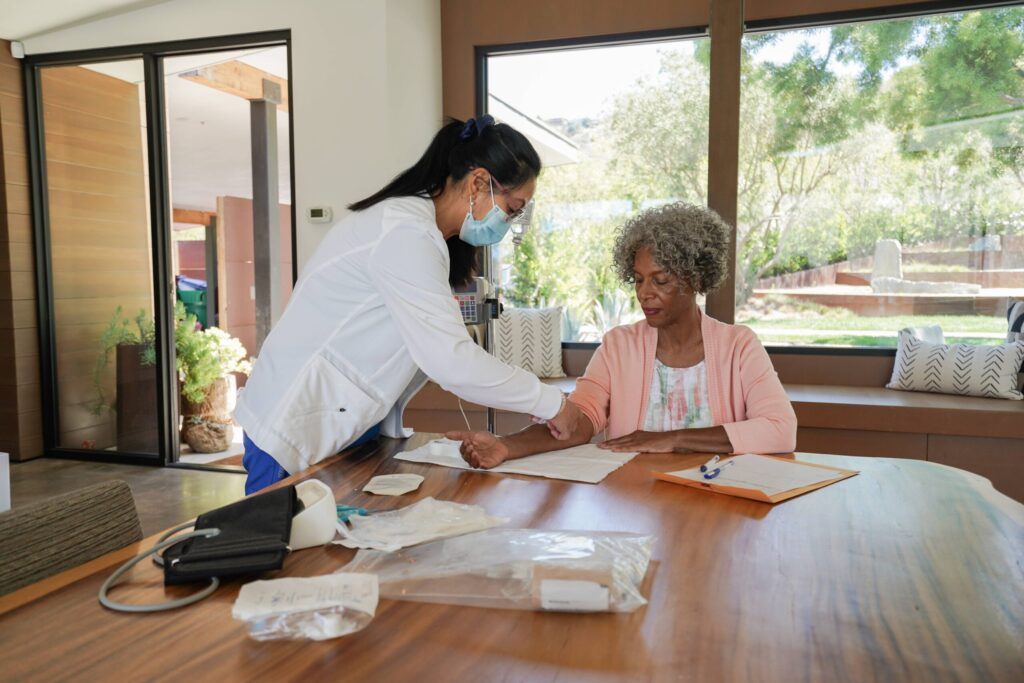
column 330, row 410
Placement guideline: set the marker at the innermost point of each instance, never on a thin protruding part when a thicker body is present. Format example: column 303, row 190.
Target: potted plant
column 206, row 361
column 130, row 341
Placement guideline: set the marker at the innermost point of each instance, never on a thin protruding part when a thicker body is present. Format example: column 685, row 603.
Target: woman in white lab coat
column 373, row 315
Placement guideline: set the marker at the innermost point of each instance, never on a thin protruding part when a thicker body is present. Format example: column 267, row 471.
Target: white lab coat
column 372, row 307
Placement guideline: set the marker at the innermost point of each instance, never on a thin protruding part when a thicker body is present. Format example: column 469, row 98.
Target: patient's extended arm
column 483, row 449
column 699, row 440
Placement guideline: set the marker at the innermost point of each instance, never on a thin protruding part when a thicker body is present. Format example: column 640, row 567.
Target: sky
column 580, row 83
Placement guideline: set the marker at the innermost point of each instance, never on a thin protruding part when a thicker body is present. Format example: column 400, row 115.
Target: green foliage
column 201, row 356
column 121, row 330
column 969, row 62
column 204, row 356
column 908, row 129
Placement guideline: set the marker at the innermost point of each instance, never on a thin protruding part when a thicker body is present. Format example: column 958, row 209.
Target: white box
column 5, row 482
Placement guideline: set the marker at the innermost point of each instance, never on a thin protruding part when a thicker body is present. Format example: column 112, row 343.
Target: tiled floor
column 164, row 496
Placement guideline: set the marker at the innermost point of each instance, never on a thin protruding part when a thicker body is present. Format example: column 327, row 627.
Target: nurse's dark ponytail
column 458, row 148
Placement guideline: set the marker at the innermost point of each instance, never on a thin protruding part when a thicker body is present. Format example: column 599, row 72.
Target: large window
column 619, row 129
column 882, row 179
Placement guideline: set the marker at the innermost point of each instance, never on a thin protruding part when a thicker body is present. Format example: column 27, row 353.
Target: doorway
column 162, row 185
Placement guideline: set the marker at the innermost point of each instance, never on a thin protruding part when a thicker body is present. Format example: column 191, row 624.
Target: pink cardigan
column 745, row 393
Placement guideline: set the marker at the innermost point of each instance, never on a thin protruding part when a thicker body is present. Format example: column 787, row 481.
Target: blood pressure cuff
column 253, row 538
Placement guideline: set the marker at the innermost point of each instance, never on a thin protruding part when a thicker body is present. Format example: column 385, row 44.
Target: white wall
column 366, row 81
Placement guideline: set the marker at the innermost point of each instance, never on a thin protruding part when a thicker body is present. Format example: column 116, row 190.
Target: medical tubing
column 158, row 559
column 160, row 545
column 466, row 419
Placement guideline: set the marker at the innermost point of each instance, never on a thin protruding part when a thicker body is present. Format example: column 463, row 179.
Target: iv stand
column 492, row 311
column 520, row 225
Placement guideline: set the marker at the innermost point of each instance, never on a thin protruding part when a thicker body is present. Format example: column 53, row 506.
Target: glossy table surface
column 910, row 571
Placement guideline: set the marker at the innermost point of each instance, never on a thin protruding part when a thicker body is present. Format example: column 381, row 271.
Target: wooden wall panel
column 10, row 74
column 16, row 229
column 64, row 148
column 12, row 110
column 850, row 371
column 100, row 242
column 236, row 307
column 20, row 405
column 16, row 169
column 758, row 10
column 858, row 442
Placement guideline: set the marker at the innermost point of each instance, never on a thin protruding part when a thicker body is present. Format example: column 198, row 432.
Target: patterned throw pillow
column 531, row 338
column 957, row 368
column 1015, row 320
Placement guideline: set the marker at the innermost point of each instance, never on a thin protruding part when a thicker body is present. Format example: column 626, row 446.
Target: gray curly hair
column 690, row 242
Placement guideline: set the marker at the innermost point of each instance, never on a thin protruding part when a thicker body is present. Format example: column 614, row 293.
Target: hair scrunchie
column 476, row 126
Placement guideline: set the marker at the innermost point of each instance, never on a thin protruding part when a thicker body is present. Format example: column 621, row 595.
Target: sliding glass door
column 230, row 196
column 94, row 155
column 130, row 281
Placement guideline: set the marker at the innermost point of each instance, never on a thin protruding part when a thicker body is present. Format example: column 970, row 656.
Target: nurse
column 373, row 315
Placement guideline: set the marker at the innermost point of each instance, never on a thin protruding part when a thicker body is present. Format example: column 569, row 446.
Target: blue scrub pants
column 263, row 470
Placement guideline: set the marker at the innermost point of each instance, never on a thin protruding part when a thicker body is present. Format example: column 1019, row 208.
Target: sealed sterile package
column 426, row 520
column 563, row 571
column 313, row 608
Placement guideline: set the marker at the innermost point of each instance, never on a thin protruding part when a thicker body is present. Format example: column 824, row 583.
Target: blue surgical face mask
column 488, row 230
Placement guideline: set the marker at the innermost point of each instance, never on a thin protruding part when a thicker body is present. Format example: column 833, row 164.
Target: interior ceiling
column 208, row 130
column 23, row 19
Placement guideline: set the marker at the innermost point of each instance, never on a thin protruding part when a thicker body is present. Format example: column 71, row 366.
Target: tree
column 908, row 128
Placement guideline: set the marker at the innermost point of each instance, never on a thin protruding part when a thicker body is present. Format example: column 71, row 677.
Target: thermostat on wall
column 319, row 214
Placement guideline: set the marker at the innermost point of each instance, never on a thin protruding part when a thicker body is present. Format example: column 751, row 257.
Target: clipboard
column 762, row 465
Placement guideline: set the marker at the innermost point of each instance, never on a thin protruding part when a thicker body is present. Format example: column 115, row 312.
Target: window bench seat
column 980, row 435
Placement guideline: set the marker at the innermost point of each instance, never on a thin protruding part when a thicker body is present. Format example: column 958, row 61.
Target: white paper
column 769, row 475
column 393, row 484
column 573, row 596
column 282, row 596
column 427, row 520
column 586, row 463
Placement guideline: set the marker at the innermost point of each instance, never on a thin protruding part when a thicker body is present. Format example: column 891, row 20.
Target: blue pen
column 718, row 470
column 708, row 464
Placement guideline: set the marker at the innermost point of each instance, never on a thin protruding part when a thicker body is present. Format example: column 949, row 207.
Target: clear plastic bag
column 307, row 608
column 320, row 624
column 566, row 571
column 425, row 520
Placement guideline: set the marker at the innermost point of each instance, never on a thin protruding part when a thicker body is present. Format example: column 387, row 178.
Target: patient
column 677, row 381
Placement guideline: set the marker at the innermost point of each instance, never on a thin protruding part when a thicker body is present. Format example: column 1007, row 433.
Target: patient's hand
column 480, row 449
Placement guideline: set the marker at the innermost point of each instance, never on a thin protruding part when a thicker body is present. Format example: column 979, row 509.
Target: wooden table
column 910, row 571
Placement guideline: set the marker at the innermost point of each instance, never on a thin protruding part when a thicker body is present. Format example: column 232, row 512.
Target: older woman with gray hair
column 678, row 380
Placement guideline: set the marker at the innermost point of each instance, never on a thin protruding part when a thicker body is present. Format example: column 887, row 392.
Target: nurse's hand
column 565, row 424
column 480, row 449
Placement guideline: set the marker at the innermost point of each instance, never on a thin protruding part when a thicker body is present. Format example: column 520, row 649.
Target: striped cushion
column 1015, row 320
column 957, row 368
column 531, row 338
